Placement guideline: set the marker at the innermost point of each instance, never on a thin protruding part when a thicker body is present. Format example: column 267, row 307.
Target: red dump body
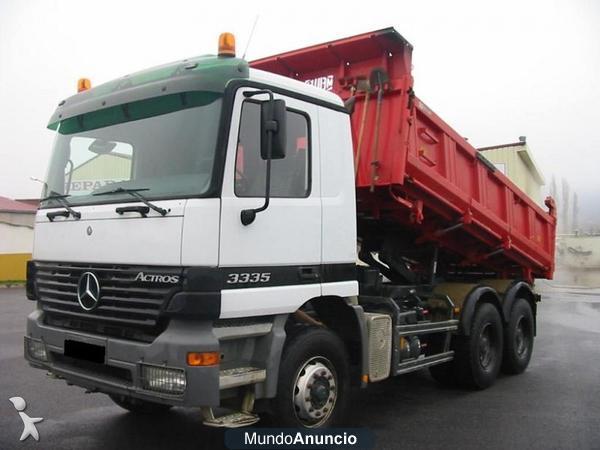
column 413, row 169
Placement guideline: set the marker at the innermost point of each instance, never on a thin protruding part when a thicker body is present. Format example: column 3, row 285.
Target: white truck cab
column 141, row 258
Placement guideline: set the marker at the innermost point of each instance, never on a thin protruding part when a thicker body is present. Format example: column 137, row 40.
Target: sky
column 494, row 70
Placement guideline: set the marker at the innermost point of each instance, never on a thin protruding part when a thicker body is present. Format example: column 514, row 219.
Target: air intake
column 379, row 327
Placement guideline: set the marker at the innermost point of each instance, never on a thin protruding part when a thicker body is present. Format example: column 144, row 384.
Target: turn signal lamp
column 83, row 84
column 203, row 359
column 227, row 44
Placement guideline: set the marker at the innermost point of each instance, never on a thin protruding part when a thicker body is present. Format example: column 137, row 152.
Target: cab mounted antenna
column 250, row 37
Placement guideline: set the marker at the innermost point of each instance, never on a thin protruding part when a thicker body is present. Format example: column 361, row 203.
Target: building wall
column 99, row 171
column 579, row 252
column 515, row 169
column 16, row 245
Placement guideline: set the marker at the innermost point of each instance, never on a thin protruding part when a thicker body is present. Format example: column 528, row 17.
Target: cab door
column 272, row 265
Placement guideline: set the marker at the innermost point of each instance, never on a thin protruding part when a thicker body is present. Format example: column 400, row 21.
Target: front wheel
column 518, row 338
column 313, row 381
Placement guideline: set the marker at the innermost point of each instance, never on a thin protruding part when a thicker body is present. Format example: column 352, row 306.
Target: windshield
column 165, row 146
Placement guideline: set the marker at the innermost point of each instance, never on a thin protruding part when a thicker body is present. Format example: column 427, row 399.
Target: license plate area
column 85, row 351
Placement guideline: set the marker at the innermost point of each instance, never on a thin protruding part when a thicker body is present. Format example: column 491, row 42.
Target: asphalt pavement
column 555, row 404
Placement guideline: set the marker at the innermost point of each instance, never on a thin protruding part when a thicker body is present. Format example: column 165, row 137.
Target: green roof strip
column 202, row 73
column 137, row 110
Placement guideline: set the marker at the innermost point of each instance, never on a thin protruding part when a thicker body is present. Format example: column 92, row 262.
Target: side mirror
column 272, row 144
column 273, row 123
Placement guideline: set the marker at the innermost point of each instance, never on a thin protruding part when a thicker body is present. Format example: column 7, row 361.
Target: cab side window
column 290, row 176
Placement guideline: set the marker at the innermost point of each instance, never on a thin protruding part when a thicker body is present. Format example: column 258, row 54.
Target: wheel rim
column 521, row 338
column 487, row 350
column 315, row 391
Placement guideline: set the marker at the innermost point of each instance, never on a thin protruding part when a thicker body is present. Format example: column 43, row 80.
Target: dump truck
column 258, row 238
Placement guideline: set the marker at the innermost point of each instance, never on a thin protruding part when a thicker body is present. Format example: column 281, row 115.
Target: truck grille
column 127, row 308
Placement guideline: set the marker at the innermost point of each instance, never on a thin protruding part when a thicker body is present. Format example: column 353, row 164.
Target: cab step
column 234, row 420
column 241, row 376
column 242, row 418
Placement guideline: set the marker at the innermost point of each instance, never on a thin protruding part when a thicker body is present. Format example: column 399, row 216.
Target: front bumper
column 121, row 371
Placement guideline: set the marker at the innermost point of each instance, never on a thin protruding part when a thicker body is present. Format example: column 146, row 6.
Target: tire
column 478, row 357
column 138, row 406
column 317, row 358
column 518, row 338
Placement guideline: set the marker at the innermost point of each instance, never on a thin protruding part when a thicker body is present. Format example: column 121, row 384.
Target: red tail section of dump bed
column 412, row 169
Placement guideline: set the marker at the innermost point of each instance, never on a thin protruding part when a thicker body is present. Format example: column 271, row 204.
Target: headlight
column 36, row 349
column 163, row 379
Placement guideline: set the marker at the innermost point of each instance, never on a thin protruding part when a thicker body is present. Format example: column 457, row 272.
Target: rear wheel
column 518, row 338
column 479, row 355
column 138, row 406
column 313, row 381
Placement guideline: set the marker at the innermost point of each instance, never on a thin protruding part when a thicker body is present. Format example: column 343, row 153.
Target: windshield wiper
column 136, row 193
column 60, row 198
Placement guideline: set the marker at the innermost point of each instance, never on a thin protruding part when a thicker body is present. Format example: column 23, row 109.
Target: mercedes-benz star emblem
column 88, row 291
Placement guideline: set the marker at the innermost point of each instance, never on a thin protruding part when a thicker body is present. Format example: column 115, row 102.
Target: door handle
column 53, row 215
column 143, row 210
column 309, row 273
